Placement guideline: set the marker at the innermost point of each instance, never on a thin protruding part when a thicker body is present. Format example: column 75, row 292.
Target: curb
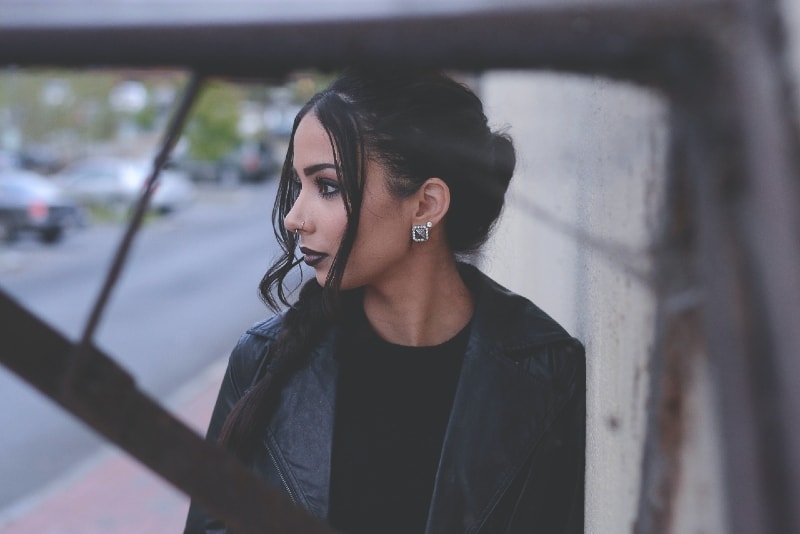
column 191, row 403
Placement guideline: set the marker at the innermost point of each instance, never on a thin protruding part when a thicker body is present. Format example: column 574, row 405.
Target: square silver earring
column 421, row 232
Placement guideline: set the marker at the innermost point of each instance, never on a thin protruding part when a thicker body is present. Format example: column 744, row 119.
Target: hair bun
column 503, row 159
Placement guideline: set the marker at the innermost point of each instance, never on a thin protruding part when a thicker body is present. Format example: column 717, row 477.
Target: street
column 188, row 291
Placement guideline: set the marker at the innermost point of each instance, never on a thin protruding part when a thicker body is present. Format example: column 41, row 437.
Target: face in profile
column 383, row 240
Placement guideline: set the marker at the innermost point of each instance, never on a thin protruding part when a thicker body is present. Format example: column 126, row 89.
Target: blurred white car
column 116, row 183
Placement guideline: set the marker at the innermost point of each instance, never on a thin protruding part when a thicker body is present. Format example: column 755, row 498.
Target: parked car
column 252, row 161
column 40, row 158
column 116, row 183
column 31, row 203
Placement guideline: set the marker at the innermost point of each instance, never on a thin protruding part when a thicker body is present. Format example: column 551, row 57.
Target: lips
column 312, row 257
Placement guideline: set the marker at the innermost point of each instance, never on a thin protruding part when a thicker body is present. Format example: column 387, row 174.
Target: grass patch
column 105, row 214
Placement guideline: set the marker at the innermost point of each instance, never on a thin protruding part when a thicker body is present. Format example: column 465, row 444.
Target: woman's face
column 383, row 239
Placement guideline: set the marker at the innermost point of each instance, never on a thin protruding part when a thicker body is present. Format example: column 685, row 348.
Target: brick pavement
column 113, row 494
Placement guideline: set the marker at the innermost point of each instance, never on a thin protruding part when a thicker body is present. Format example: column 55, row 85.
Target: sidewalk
column 113, row 494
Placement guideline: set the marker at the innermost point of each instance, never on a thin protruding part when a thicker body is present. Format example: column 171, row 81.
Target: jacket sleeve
column 549, row 496
column 243, row 366
column 575, row 421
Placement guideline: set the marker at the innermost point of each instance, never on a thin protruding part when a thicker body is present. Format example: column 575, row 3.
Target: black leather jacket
column 513, row 454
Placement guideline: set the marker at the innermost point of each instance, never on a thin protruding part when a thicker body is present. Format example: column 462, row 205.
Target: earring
column 421, row 232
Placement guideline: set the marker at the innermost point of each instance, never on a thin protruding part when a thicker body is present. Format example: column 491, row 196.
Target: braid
column 301, row 329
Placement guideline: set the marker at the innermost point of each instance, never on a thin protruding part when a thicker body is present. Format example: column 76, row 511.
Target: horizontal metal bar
column 629, row 40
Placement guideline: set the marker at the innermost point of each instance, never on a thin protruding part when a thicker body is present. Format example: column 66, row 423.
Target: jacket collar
column 510, row 320
column 500, row 411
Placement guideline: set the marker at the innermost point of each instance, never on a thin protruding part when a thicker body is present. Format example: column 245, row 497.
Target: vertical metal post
column 170, row 139
column 747, row 202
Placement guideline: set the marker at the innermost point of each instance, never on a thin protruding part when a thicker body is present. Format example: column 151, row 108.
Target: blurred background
column 75, row 150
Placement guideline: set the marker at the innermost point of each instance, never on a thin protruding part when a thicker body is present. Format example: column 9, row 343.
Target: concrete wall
column 576, row 238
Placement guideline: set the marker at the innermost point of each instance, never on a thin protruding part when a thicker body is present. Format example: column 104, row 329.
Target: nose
column 294, row 220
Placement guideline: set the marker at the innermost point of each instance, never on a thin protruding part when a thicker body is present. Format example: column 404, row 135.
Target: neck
column 427, row 304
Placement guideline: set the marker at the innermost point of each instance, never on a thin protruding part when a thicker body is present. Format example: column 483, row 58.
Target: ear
column 431, row 201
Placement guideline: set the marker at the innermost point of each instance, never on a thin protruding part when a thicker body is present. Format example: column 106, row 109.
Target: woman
column 404, row 391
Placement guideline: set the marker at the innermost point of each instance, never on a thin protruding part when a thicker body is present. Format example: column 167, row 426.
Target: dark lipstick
column 312, row 257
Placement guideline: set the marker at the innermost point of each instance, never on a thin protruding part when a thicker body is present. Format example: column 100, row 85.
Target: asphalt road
column 187, row 293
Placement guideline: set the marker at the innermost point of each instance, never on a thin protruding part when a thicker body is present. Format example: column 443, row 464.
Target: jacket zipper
column 280, row 474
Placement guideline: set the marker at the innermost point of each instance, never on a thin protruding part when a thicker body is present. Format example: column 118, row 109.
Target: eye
column 327, row 188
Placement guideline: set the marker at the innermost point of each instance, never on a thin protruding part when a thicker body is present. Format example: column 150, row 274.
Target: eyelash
column 325, row 187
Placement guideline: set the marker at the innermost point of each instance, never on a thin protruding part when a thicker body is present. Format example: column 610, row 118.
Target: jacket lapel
column 499, row 414
column 301, row 433
column 502, row 407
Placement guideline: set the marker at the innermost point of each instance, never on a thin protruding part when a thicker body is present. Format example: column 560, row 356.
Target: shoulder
column 265, row 330
column 520, row 330
column 562, row 363
column 507, row 316
column 250, row 353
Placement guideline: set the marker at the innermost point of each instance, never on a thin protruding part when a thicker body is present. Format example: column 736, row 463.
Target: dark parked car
column 252, row 161
column 30, row 203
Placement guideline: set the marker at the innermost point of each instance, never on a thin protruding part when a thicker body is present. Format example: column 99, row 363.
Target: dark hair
column 418, row 125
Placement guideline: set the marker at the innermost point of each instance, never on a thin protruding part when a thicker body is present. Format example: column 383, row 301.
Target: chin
column 321, row 276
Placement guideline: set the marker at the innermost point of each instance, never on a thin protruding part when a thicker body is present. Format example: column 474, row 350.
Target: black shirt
column 392, row 407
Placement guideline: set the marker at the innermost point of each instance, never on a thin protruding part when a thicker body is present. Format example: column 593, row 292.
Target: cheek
column 383, row 235
column 333, row 222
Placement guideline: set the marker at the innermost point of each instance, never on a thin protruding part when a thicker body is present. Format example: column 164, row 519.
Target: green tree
column 213, row 128
column 81, row 105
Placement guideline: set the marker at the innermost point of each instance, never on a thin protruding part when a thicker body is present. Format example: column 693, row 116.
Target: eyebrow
column 311, row 169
